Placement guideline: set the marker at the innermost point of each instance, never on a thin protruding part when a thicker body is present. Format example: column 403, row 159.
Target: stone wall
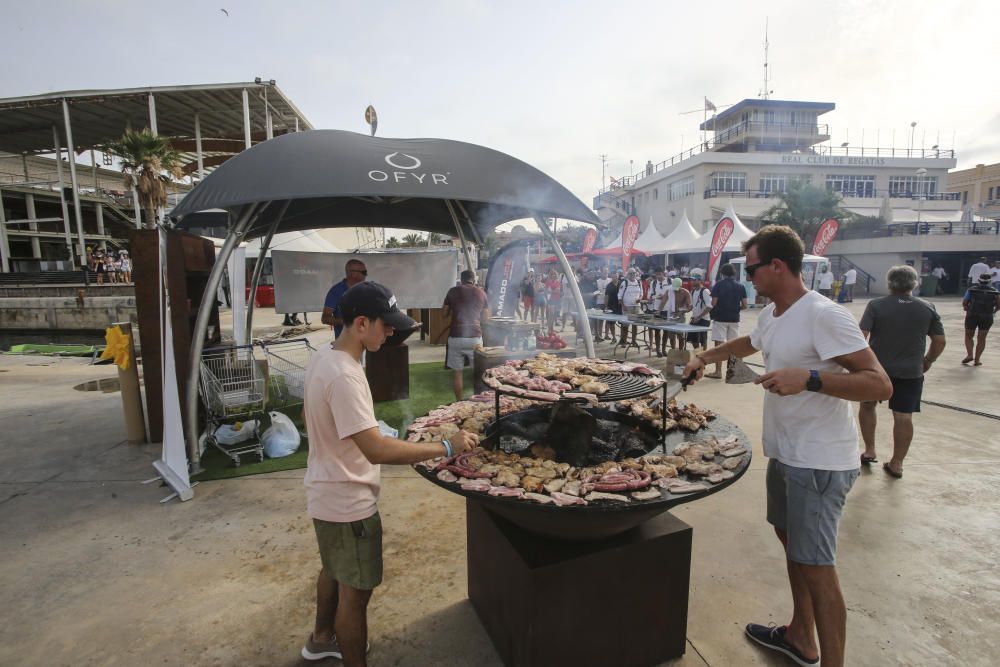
column 65, row 313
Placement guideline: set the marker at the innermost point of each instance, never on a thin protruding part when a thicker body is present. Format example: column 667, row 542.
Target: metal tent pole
column 201, row 325
column 246, row 119
column 461, row 236
column 581, row 308
column 197, row 147
column 258, row 268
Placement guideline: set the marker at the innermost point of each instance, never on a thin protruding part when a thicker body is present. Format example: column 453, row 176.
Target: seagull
column 224, row 12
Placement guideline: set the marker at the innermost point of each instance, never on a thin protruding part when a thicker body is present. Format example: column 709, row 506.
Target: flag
column 630, row 232
column 720, row 238
column 709, row 106
column 824, row 236
column 589, row 240
column 507, row 268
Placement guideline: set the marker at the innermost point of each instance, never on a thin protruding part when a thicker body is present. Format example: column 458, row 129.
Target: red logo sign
column 630, row 232
column 720, row 238
column 824, row 236
column 589, row 240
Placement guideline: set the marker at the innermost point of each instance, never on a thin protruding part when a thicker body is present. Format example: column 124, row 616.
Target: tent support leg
column 201, row 326
column 468, row 220
column 461, row 236
column 258, row 268
column 583, row 322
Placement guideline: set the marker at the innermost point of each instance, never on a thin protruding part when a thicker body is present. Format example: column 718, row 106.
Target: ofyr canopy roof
column 333, row 178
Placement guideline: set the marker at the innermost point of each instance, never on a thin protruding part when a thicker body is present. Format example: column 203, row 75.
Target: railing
column 895, row 229
column 712, row 193
column 837, row 266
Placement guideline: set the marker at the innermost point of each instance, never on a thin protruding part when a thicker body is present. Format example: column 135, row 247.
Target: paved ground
column 95, row 571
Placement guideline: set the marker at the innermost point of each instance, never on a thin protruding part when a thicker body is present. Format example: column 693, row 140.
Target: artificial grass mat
column 430, row 386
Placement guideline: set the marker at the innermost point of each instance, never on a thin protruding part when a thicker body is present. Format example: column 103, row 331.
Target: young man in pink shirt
column 342, row 479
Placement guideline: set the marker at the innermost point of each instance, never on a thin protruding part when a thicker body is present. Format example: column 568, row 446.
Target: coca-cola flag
column 723, row 230
column 589, row 240
column 507, row 268
column 630, row 232
column 824, row 236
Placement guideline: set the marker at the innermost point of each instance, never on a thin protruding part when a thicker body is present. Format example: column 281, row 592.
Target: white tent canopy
column 684, row 234
column 650, row 241
column 735, row 244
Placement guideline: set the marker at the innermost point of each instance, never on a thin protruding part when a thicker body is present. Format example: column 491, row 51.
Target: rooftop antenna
column 765, row 92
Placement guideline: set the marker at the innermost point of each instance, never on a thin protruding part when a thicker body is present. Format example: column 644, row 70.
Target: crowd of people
column 110, row 267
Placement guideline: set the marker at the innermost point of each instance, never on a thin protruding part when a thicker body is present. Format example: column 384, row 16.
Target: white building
column 754, row 149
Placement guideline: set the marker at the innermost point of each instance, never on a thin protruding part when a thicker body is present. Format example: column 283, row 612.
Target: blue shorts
column 807, row 504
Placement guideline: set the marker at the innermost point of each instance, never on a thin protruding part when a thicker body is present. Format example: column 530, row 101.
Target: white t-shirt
column 602, row 284
column 701, row 303
column 977, row 270
column 826, row 280
column 850, row 277
column 995, row 275
column 629, row 293
column 341, row 484
column 809, row 429
column 658, row 293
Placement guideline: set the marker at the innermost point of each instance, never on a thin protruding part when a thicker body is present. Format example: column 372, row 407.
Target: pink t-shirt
column 341, row 484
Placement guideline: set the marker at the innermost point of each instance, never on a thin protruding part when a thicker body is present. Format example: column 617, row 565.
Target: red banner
column 720, row 238
column 589, row 240
column 630, row 232
column 824, row 236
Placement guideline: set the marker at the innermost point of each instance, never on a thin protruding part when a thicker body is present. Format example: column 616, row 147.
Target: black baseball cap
column 374, row 301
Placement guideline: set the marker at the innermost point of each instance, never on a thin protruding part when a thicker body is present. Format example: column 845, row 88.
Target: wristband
column 447, row 448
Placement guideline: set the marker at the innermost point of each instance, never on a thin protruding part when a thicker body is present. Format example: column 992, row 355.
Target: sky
column 556, row 84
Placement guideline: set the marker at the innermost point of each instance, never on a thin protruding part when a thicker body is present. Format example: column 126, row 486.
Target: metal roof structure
column 225, row 117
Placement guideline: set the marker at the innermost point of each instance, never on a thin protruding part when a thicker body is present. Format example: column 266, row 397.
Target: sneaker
column 314, row 650
column 773, row 637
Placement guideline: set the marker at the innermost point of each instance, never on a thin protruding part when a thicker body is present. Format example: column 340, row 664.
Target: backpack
column 982, row 302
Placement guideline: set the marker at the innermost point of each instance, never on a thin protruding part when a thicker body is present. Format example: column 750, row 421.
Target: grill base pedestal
column 622, row 600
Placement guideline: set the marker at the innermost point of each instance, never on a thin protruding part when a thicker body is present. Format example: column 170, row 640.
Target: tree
column 393, row 242
column 148, row 163
column 412, row 241
column 804, row 207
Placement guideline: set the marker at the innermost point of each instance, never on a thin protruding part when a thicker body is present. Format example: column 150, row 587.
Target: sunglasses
column 751, row 268
column 363, row 272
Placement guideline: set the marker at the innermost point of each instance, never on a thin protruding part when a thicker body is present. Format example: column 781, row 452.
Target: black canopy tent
column 333, row 178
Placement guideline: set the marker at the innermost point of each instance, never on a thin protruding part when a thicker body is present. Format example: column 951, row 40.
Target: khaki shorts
column 351, row 552
column 724, row 331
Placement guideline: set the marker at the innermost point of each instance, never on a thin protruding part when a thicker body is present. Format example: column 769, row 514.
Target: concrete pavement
column 95, row 571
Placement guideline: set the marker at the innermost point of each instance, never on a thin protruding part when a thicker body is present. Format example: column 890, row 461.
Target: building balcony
column 712, row 193
column 771, row 136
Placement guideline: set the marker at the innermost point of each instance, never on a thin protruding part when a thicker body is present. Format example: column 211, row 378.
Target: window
column 909, row 186
column 656, row 194
column 779, row 182
column 729, row 181
column 851, row 185
column 965, row 197
column 682, row 188
column 991, row 194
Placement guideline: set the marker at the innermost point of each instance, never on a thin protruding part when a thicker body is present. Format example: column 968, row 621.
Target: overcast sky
column 553, row 83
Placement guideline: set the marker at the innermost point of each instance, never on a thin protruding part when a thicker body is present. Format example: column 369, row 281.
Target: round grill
column 623, row 386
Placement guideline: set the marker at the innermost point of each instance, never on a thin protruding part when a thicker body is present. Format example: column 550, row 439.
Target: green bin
column 928, row 285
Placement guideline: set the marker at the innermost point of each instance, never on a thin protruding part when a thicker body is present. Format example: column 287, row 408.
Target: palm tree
column 804, row 207
column 148, row 163
column 393, row 242
column 412, row 240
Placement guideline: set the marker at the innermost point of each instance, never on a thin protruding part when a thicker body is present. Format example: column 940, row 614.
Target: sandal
column 891, row 472
column 868, row 460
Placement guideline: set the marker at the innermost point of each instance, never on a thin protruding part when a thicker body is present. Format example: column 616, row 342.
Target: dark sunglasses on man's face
column 363, row 272
column 751, row 268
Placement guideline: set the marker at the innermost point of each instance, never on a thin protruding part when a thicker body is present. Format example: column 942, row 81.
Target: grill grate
column 623, row 386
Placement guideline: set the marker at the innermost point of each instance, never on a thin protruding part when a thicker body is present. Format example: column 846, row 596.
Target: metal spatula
column 738, row 372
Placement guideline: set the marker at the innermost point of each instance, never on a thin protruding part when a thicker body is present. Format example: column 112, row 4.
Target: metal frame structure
column 207, row 124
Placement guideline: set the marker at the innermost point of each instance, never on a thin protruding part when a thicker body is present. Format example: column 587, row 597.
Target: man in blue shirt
column 354, row 272
column 728, row 299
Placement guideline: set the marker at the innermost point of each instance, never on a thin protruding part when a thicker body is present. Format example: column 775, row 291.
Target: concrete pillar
column 75, row 184
column 99, row 212
column 246, row 118
column 197, row 147
column 62, row 192
column 4, row 246
column 152, row 114
column 29, row 205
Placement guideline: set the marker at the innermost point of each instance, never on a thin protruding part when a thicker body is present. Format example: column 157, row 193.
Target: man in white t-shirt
column 342, row 479
column 600, row 299
column 817, row 362
column 978, row 269
column 995, row 275
column 850, row 278
column 825, row 285
column 630, row 295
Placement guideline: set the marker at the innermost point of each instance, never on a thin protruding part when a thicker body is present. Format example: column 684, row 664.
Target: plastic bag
column 282, row 438
column 234, row 434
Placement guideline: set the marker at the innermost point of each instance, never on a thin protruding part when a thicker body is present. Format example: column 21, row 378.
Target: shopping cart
column 232, row 389
column 286, row 368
